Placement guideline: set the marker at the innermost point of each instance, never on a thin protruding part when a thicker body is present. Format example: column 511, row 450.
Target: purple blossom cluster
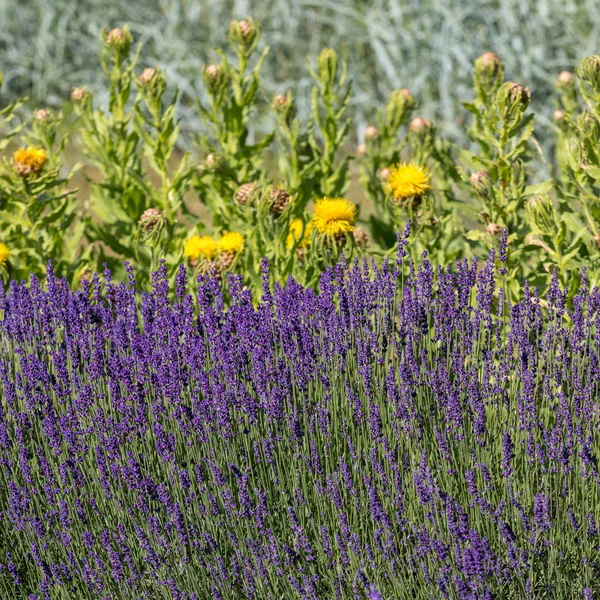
column 403, row 433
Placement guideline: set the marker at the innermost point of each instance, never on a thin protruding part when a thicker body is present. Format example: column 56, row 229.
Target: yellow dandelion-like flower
column 198, row 246
column 406, row 180
column 231, row 242
column 29, row 161
column 334, row 216
column 296, row 227
column 4, row 254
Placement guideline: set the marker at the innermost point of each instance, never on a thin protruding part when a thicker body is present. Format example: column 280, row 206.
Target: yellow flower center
column 406, row 180
column 4, row 254
column 296, row 227
column 334, row 216
column 231, row 242
column 29, row 161
column 198, row 246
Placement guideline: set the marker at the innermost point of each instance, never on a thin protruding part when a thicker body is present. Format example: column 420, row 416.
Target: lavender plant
column 406, row 432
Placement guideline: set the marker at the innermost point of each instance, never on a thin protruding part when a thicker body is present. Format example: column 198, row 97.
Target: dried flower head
column 494, row 229
column 245, row 192
column 295, row 233
column 279, row 199
column 231, row 242
column 147, row 75
column 198, row 246
column 334, row 216
column 150, row 219
column 406, row 180
column 29, row 161
column 480, row 180
column 42, row 114
column 78, row 94
column 4, row 254
column 361, row 238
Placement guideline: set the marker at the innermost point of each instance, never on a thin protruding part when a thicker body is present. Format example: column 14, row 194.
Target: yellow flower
column 231, row 243
column 296, row 227
column 334, row 216
column 406, row 180
column 4, row 254
column 29, row 161
column 198, row 246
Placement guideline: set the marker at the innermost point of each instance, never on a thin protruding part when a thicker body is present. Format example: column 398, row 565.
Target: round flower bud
column 147, row 75
column 565, row 79
column 78, row 94
column 244, row 32
column 558, row 116
column 120, row 39
column 371, row 133
column 361, row 238
column 214, row 76
column 589, row 70
column 513, row 96
column 398, row 108
column 494, row 229
column 385, row 173
column 279, row 198
column 150, row 219
column 489, row 62
column 420, row 126
column 280, row 103
column 210, row 160
column 42, row 114
column 488, row 75
column 361, row 150
column 245, row 192
column 480, row 180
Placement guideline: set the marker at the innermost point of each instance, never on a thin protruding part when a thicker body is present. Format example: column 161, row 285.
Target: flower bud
column 147, row 75
column 243, row 33
column 488, row 75
column 120, row 39
column 78, row 94
column 361, row 238
column 215, row 76
column 150, row 218
column 513, row 97
column 245, row 193
column 328, row 67
column 399, row 107
column 597, row 239
column 361, row 150
column 280, row 101
column 494, row 229
column 371, row 133
column 589, row 71
column 481, row 182
column 421, row 126
column 565, row 79
column 385, row 173
column 211, row 160
column 279, row 199
column 42, row 114
column 558, row 116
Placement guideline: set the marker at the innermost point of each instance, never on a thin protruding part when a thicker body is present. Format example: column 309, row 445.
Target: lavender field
column 404, row 432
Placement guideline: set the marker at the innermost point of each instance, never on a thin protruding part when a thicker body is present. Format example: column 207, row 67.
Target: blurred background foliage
column 429, row 46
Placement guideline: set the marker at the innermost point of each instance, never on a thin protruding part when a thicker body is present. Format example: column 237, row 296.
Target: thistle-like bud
column 361, row 238
column 211, row 160
column 243, row 33
column 513, row 99
column 361, row 150
column 565, row 79
column 384, row 174
column 589, row 71
column 481, row 182
column 494, row 229
column 597, row 239
column 119, row 39
column 328, row 67
column 279, row 199
column 147, row 75
column 541, row 212
column 421, row 126
column 280, row 102
column 215, row 76
column 78, row 94
column 225, row 260
column 245, row 193
column 558, row 116
column 488, row 75
column 149, row 220
column 42, row 114
column 371, row 133
column 399, row 107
